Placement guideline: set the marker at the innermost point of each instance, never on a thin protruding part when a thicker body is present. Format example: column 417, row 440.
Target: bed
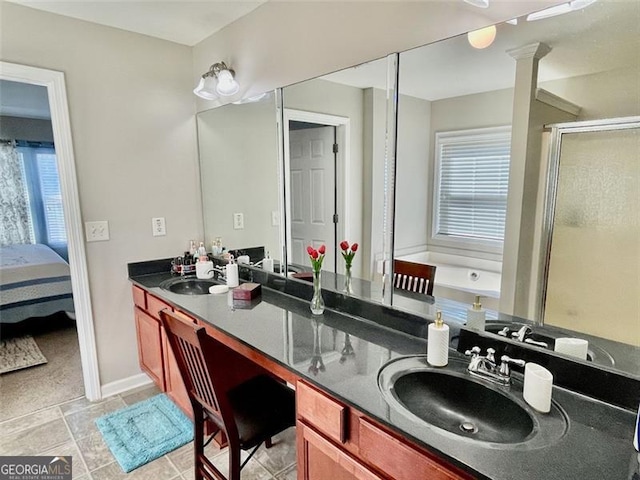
column 34, row 282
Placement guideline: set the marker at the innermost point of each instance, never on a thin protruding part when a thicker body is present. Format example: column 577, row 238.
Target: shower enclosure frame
column 553, row 171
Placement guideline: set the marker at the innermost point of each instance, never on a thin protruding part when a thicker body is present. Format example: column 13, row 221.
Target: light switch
column 97, row 231
column 158, row 226
column 275, row 218
column 238, row 221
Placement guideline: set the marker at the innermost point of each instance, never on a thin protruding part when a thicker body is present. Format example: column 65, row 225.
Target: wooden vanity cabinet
column 154, row 353
column 338, row 442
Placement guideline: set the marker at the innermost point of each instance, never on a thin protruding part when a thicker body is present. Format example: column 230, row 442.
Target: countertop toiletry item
column 232, row 273
column 538, row 384
column 267, row 263
column 476, row 315
column 204, row 268
column 218, row 289
column 576, row 347
column 247, row 291
column 438, row 342
column 192, row 248
column 202, row 251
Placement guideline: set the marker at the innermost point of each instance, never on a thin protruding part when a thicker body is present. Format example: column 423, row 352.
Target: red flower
column 309, row 249
column 321, row 250
column 344, row 245
column 354, row 247
column 314, row 254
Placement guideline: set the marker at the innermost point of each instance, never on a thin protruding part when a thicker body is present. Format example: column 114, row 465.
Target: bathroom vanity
column 345, row 426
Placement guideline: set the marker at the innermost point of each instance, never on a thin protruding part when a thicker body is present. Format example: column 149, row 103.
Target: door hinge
column 335, row 148
column 335, row 218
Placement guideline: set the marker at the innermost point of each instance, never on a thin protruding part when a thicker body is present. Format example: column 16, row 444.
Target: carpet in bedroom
column 26, row 391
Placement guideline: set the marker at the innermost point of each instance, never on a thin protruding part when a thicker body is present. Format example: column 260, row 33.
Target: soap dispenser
column 232, row 273
column 267, row 263
column 476, row 315
column 438, row 342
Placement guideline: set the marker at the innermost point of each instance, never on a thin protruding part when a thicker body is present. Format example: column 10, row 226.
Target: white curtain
column 15, row 218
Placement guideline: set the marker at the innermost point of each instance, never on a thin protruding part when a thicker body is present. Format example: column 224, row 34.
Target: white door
column 312, row 177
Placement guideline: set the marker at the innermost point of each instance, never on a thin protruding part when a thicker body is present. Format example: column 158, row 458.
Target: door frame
column 343, row 136
column 54, row 82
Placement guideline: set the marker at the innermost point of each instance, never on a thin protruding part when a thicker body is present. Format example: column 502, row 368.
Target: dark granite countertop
column 596, row 445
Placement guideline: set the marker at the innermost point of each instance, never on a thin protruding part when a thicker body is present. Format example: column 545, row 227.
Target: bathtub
column 461, row 278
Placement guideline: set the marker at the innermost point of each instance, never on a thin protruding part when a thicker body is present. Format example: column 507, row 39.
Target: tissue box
column 247, row 291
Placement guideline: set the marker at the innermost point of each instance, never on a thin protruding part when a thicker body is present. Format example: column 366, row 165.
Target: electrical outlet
column 275, row 218
column 97, row 231
column 158, row 226
column 238, row 221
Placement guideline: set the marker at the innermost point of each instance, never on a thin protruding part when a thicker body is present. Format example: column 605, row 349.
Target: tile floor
column 69, row 429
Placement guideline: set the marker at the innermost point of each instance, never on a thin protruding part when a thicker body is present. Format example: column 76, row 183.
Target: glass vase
column 347, row 280
column 317, row 303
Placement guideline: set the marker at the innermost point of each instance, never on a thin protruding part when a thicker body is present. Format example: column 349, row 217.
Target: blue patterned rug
column 142, row 432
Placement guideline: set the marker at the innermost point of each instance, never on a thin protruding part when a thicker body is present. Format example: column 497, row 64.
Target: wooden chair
column 248, row 411
column 414, row 277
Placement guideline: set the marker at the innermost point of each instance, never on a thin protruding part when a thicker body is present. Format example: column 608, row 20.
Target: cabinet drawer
column 154, row 305
column 399, row 460
column 139, row 297
column 320, row 459
column 325, row 414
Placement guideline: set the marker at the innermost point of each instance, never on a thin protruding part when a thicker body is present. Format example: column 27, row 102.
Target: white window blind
column 472, row 180
column 51, row 198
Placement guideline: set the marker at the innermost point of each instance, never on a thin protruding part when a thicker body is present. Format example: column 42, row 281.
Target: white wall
column 281, row 43
column 413, row 191
column 133, row 129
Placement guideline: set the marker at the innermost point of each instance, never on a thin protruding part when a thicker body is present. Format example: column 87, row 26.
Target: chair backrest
column 414, row 277
column 206, row 382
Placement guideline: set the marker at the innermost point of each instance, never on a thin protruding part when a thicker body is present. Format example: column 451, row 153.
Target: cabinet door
column 319, row 459
column 150, row 346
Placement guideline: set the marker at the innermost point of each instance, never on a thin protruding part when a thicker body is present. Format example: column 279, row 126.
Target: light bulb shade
column 482, row 38
column 206, row 88
column 226, row 84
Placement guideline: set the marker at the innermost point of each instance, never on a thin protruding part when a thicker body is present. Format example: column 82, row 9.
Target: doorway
column 54, row 82
column 316, row 152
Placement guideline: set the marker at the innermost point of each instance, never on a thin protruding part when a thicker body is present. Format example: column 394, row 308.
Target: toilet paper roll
column 576, row 347
column 538, row 385
column 244, row 260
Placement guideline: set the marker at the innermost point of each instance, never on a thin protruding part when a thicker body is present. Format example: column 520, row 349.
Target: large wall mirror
column 334, row 149
column 484, row 222
column 458, row 175
column 240, row 175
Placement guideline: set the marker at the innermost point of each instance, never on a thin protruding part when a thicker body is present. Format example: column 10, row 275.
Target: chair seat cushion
column 262, row 408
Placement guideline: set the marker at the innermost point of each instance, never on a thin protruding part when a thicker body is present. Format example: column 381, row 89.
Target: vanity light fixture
column 482, row 38
column 560, row 9
column 219, row 80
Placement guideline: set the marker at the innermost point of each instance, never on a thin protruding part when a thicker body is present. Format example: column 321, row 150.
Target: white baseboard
column 126, row 384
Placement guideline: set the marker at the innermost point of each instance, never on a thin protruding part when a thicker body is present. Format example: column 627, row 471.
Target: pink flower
column 354, row 247
column 314, row 254
column 309, row 249
column 321, row 250
column 344, row 245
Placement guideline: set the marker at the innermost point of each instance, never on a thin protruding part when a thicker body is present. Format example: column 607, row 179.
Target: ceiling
column 602, row 37
column 181, row 21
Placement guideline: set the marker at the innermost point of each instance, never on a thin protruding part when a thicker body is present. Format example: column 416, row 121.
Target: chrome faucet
column 487, row 368
column 523, row 335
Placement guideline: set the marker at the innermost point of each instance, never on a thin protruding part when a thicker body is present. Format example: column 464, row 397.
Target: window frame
column 469, row 245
